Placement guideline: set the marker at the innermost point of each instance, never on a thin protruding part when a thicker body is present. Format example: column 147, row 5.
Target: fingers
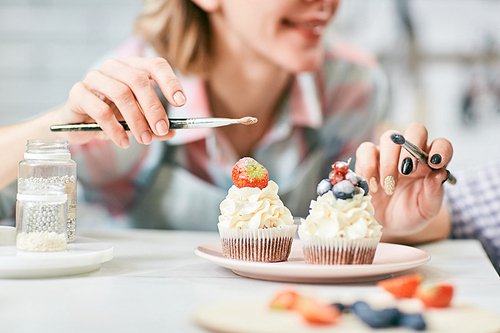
column 389, row 161
column 164, row 76
column 440, row 153
column 367, row 156
column 432, row 195
column 82, row 99
column 124, row 99
column 127, row 89
column 417, row 134
column 396, row 161
column 433, row 181
column 139, row 85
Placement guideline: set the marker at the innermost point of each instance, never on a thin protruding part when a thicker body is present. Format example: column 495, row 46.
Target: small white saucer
column 7, row 235
column 82, row 256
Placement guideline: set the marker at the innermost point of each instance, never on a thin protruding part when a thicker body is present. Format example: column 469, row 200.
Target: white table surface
column 155, row 282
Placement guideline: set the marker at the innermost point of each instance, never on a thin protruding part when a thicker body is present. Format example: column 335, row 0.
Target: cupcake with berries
column 254, row 224
column 340, row 228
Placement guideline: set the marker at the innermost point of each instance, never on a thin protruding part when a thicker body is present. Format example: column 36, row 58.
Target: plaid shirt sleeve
column 475, row 207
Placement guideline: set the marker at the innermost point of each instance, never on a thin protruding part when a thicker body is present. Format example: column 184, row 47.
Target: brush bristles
column 398, row 139
column 247, row 120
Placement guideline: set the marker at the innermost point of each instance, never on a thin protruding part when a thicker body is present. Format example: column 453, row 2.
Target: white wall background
column 47, row 45
column 456, row 47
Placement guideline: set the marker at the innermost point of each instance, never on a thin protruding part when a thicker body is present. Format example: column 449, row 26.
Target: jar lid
column 41, row 197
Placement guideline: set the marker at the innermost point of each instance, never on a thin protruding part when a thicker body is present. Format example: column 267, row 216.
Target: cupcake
column 340, row 228
column 254, row 225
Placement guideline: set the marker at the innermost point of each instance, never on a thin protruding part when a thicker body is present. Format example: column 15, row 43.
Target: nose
column 328, row 5
column 331, row 3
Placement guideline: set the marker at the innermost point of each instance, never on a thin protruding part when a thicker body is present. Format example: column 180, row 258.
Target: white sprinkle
column 41, row 241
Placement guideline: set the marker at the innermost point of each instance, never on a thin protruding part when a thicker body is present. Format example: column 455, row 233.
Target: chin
column 297, row 60
column 304, row 64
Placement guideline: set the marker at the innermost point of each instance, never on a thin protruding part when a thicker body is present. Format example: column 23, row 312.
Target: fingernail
column 407, row 166
column 179, row 98
column 389, row 185
column 373, row 185
column 436, row 159
column 146, row 137
column 124, row 143
column 161, row 127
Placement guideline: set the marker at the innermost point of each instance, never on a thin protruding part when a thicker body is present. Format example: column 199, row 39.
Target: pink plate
column 389, row 259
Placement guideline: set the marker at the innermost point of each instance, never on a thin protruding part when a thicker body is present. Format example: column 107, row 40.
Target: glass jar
column 49, row 162
column 41, row 217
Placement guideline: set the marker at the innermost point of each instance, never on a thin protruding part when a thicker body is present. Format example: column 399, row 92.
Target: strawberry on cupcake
column 254, row 224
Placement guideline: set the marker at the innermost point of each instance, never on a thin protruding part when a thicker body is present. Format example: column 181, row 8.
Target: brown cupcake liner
column 339, row 251
column 265, row 245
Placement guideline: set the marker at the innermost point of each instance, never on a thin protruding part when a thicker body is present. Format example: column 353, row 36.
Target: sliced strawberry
column 317, row 313
column 438, row 296
column 247, row 172
column 402, row 286
column 285, row 300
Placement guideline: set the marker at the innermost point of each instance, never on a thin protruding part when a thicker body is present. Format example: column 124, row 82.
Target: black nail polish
column 407, row 166
column 436, row 159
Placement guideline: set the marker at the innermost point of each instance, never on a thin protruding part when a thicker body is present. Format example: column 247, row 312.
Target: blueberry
column 342, row 307
column 362, row 183
column 362, row 309
column 413, row 320
column 388, row 317
column 343, row 190
column 376, row 318
column 324, row 186
column 352, row 177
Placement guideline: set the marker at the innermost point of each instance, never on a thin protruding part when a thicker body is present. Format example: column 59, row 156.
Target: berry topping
column 339, row 174
column 342, row 307
column 315, row 312
column 341, row 167
column 285, row 300
column 376, row 318
column 362, row 183
column 343, row 190
column 438, row 296
column 352, row 177
column 247, row 172
column 408, row 286
column 311, row 310
column 324, row 186
column 335, row 177
column 402, row 286
column 412, row 320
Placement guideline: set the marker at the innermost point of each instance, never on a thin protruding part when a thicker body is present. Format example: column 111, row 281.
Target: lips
column 313, row 26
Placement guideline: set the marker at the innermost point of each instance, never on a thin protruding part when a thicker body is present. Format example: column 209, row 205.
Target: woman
column 316, row 102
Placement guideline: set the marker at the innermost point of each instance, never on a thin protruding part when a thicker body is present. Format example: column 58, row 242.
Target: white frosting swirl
column 254, row 208
column 351, row 218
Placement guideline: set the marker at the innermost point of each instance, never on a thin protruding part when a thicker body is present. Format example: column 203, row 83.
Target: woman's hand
column 123, row 90
column 407, row 195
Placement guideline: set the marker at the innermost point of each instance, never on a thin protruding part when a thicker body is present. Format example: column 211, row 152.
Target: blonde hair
column 179, row 32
